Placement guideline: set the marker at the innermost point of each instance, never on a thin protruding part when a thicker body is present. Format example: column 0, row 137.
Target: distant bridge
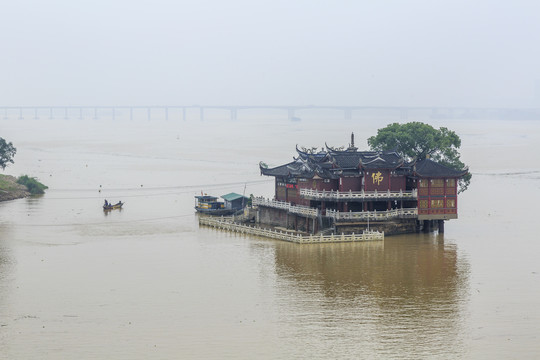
column 291, row 111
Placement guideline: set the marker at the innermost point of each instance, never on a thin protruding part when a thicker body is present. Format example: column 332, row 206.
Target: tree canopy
column 7, row 152
column 416, row 140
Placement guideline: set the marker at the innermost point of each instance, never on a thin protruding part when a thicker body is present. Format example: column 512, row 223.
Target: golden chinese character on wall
column 377, row 177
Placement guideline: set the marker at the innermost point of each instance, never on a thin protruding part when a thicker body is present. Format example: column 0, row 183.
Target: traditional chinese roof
column 429, row 168
column 319, row 157
column 301, row 167
column 352, row 159
column 334, row 163
column 346, row 160
column 381, row 160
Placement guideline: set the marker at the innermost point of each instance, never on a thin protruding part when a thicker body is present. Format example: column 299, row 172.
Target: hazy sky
column 387, row 52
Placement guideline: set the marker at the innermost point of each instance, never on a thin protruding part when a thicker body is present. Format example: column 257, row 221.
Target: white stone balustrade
column 228, row 225
column 357, row 195
column 373, row 215
column 294, row 209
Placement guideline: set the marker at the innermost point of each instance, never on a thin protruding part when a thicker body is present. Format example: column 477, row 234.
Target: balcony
column 294, row 209
column 409, row 213
column 358, row 195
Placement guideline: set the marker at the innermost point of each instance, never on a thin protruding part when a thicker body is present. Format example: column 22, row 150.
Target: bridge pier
column 347, row 114
column 80, row 113
column 36, row 114
column 149, row 113
column 131, row 114
column 290, row 114
column 404, row 113
column 166, row 113
column 51, row 114
column 184, row 113
column 95, row 113
column 201, row 114
column 113, row 113
column 20, row 114
column 66, row 113
column 234, row 113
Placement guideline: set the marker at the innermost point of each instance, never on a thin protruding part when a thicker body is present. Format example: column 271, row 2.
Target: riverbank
column 10, row 189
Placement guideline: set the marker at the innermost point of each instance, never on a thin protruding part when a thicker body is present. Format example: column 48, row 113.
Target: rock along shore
column 10, row 190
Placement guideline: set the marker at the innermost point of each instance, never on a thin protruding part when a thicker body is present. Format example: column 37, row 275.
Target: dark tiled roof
column 301, row 168
column 316, row 157
column 283, row 170
column 382, row 160
column 334, row 163
column 347, row 160
column 429, row 168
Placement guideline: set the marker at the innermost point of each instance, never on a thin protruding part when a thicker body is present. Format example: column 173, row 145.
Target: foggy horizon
column 419, row 53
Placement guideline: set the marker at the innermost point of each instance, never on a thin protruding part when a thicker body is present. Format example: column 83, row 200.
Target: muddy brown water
column 147, row 282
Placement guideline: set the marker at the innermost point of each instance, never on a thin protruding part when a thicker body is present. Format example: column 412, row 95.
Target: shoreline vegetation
column 12, row 188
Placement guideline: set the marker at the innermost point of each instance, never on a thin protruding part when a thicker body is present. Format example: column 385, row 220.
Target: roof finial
column 351, row 146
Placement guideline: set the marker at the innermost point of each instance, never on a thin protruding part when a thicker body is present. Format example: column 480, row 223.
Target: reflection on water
column 406, row 294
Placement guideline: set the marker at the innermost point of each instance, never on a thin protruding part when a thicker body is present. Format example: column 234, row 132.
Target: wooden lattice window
column 423, row 204
column 437, row 203
column 437, row 183
column 450, row 182
column 423, row 183
column 450, row 203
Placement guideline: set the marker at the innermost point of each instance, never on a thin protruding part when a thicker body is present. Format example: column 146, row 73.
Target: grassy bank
column 12, row 188
column 32, row 184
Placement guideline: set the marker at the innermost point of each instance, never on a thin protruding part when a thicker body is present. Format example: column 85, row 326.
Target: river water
column 146, row 282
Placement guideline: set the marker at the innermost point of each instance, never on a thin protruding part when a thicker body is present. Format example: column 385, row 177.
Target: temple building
column 346, row 190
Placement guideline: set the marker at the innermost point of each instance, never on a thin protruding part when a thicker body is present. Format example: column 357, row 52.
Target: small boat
column 206, row 204
column 109, row 206
column 210, row 205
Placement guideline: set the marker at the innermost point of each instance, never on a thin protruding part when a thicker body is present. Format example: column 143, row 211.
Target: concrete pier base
column 441, row 226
